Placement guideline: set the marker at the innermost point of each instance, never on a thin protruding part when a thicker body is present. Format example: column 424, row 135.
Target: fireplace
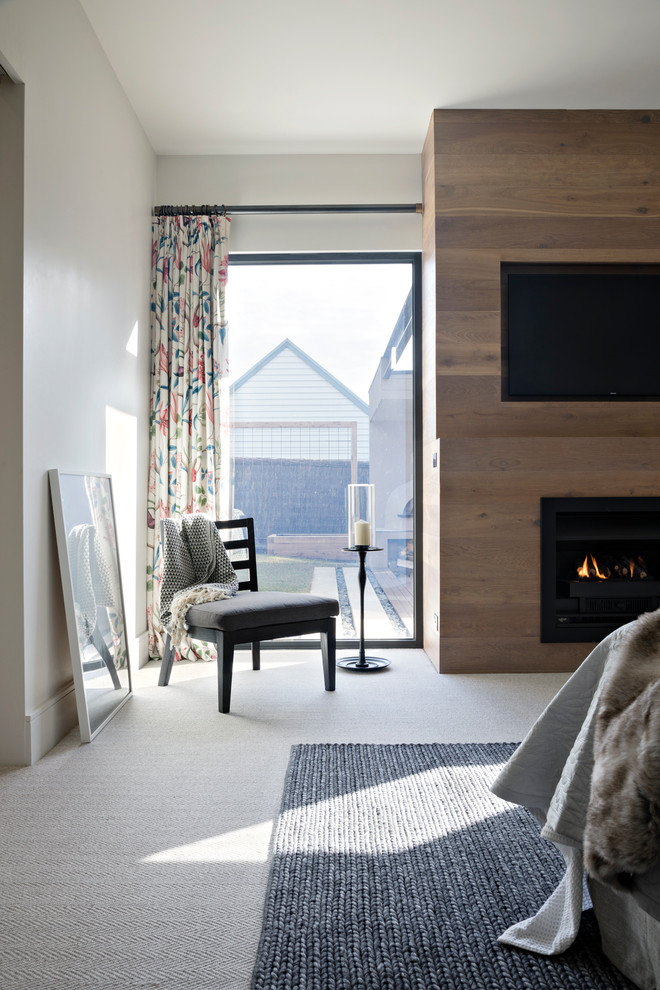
column 600, row 565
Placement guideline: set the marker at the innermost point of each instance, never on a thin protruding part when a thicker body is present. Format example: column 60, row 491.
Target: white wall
column 12, row 682
column 89, row 181
column 248, row 180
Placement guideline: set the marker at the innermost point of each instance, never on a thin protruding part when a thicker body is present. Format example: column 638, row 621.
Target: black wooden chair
column 252, row 616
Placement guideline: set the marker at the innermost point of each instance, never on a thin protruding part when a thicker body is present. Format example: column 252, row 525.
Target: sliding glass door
column 324, row 363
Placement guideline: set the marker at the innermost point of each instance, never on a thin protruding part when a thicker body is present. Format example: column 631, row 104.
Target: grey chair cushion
column 249, row 609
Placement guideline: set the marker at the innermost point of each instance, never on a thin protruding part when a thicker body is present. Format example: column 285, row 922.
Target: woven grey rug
column 395, row 868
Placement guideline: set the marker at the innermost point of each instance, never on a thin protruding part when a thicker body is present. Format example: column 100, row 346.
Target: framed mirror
column 84, row 516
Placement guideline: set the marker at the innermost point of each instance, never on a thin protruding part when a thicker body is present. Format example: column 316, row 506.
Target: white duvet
column 550, row 773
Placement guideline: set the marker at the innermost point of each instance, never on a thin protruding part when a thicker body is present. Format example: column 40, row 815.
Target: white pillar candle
column 361, row 532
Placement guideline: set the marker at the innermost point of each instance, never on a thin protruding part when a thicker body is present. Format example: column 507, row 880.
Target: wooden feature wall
column 521, row 185
column 430, row 447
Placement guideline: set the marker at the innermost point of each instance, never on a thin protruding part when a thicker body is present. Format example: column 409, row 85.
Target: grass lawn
column 287, row 573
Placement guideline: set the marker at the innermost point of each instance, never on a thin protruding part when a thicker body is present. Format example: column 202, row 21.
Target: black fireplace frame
column 562, row 630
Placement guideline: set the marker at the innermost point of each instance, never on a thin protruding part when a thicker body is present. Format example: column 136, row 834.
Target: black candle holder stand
column 361, row 663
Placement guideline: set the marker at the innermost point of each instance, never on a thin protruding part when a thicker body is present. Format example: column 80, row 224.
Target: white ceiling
column 362, row 76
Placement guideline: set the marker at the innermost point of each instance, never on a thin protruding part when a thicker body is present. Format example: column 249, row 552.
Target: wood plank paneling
column 430, row 471
column 501, row 232
column 482, row 517
column 457, row 263
column 479, row 117
column 431, row 550
column 522, row 185
column 472, row 294
column 474, row 620
column 553, row 454
column 489, row 553
column 575, row 174
column 477, row 262
column 509, row 654
column 633, row 134
column 468, row 340
column 466, row 404
column 576, row 483
column 544, row 200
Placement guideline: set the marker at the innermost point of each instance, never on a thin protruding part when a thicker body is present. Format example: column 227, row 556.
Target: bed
column 551, row 774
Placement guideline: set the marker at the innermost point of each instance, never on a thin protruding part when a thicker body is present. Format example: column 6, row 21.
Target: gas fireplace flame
column 592, row 572
column 627, row 568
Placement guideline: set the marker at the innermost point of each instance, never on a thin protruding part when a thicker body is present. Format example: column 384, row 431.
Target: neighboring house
column 299, row 437
column 391, row 446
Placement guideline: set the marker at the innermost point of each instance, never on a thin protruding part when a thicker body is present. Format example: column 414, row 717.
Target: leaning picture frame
column 86, row 533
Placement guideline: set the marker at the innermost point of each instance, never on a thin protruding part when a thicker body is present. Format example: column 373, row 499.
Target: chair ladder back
column 247, row 543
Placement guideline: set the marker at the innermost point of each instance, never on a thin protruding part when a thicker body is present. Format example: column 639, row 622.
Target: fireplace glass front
column 600, row 565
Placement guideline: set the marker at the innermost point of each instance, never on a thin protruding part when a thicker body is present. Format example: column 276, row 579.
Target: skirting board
column 46, row 725
column 49, row 723
column 140, row 650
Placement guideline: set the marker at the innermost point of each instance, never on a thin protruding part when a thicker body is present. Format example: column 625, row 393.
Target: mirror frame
column 55, row 477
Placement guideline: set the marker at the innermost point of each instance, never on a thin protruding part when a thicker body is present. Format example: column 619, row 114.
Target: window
column 323, row 378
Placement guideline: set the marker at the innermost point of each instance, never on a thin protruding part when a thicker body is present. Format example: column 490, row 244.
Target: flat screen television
column 572, row 332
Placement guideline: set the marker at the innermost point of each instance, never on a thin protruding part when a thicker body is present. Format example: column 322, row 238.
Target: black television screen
column 580, row 332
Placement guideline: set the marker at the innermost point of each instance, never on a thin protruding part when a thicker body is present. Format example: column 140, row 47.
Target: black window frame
column 414, row 258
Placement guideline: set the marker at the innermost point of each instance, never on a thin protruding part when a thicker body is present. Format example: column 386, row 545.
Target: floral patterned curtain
column 189, row 402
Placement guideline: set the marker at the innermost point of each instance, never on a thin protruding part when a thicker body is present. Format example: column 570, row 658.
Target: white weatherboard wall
column 249, row 180
column 287, row 389
column 89, row 182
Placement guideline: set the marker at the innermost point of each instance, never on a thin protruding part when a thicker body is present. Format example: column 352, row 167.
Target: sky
column 340, row 315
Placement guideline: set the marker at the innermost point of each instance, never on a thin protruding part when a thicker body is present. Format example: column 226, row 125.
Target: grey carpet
column 395, row 868
column 141, row 861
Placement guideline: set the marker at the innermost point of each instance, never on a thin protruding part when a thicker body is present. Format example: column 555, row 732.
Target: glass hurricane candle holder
column 361, row 515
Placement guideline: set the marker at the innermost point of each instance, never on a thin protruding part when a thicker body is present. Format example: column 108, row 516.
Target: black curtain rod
column 204, row 211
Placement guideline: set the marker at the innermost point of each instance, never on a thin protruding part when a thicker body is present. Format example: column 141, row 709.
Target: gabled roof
column 314, row 365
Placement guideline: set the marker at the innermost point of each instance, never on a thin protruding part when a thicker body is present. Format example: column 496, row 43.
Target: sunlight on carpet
column 400, row 822
column 243, row 845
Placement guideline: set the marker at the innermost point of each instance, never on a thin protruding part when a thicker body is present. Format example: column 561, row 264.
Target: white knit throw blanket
column 196, row 568
column 184, row 600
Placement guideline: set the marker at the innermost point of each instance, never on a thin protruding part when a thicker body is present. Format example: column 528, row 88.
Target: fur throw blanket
column 622, row 832
column 196, row 568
